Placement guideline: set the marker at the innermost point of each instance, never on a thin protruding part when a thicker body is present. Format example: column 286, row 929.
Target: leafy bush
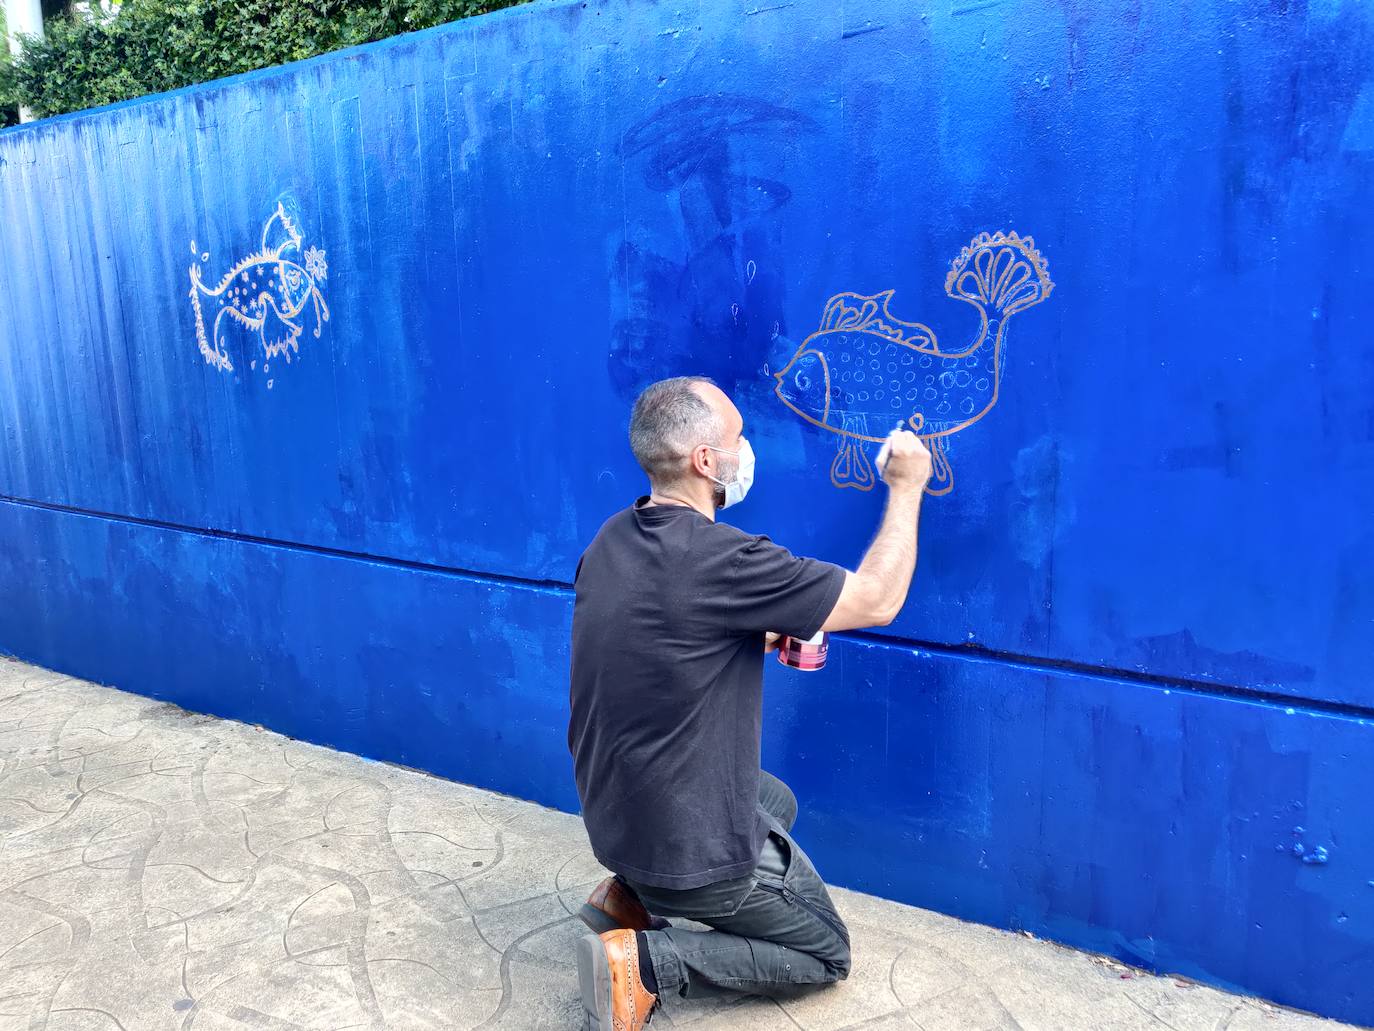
column 9, row 103
column 157, row 45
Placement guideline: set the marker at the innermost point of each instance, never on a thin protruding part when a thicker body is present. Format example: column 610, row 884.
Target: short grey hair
column 670, row 419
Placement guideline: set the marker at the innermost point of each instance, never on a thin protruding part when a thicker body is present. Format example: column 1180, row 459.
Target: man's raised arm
column 876, row 593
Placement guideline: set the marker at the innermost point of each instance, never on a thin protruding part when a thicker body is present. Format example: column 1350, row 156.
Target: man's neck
column 684, row 499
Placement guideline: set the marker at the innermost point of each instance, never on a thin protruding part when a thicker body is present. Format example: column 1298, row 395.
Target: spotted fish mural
column 259, row 308
column 864, row 370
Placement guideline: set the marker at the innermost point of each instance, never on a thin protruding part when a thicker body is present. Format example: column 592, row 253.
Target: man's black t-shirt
column 667, row 685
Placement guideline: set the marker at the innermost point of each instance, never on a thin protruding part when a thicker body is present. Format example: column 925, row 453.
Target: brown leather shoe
column 613, row 905
column 613, row 996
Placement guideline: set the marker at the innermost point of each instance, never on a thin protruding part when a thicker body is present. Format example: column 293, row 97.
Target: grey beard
column 718, row 489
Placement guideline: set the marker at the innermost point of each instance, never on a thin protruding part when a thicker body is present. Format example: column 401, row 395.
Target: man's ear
column 702, row 460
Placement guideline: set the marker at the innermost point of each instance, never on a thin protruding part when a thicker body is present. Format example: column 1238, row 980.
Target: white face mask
column 744, row 474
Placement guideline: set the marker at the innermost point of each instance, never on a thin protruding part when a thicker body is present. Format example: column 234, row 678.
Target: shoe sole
column 597, row 920
column 594, row 977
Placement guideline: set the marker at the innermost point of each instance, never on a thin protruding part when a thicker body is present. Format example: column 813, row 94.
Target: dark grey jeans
column 775, row 932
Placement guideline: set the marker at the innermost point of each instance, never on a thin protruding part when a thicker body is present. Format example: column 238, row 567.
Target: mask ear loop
column 721, row 450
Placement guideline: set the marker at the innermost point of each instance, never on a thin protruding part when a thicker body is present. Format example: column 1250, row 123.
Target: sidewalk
column 160, row 869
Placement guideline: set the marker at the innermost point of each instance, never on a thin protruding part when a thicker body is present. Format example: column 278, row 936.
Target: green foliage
column 157, row 45
column 9, row 102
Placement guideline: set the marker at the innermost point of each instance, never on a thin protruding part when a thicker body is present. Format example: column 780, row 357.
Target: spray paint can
column 804, row 655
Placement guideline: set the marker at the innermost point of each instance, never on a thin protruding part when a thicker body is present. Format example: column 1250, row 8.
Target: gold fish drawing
column 864, row 369
column 266, row 295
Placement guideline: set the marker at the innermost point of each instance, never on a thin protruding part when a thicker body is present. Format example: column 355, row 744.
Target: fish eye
column 802, row 380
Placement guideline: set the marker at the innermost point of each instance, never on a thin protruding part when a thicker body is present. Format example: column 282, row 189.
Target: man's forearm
column 890, row 561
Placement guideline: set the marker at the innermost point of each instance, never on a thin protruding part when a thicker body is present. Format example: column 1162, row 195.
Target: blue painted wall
column 1140, row 649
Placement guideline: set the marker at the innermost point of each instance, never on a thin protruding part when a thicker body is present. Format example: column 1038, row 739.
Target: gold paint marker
column 887, row 446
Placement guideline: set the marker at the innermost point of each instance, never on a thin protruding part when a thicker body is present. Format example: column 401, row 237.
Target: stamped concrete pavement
column 162, row 869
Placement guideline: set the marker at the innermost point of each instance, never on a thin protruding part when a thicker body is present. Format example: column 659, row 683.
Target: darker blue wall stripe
column 1020, row 662
column 555, row 586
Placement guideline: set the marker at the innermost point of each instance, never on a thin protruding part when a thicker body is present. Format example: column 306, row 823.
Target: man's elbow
column 885, row 615
column 865, row 603
column 883, row 610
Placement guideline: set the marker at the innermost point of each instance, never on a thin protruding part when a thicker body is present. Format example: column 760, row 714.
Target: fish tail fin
column 941, row 472
column 213, row 355
column 1002, row 273
column 851, row 467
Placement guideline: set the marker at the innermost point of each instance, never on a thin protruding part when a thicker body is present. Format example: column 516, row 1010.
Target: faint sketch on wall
column 865, row 370
column 265, row 299
column 699, row 276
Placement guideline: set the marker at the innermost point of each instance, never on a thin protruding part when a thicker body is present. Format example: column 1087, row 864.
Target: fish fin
column 872, row 313
column 853, row 311
column 279, row 334
column 321, row 310
column 233, row 339
column 851, row 467
column 280, row 233
column 941, row 472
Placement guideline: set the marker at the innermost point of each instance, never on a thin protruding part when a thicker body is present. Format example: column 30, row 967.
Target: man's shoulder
column 615, row 523
column 757, row 550
column 727, row 534
column 618, row 518
column 741, row 546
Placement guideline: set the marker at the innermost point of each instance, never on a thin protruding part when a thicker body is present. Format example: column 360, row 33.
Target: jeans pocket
column 709, row 902
column 775, row 860
column 731, row 903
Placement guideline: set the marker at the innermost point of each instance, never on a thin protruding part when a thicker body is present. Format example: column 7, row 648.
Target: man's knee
column 838, row 962
column 834, row 959
column 831, row 966
column 804, row 972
